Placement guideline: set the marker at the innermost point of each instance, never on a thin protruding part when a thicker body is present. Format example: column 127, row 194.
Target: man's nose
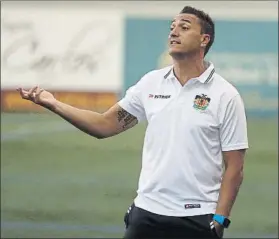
column 174, row 33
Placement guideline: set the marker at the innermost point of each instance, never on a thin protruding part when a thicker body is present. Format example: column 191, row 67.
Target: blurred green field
column 58, row 182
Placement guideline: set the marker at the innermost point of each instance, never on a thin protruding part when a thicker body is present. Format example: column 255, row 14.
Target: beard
column 181, row 55
column 178, row 55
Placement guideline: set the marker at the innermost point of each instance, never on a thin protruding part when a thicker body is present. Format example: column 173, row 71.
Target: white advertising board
column 61, row 48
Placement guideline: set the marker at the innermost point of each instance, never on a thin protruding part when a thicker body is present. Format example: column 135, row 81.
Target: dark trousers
column 141, row 224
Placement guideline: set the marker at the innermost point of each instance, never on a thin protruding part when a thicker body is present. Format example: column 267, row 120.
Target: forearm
column 90, row 122
column 114, row 121
column 231, row 183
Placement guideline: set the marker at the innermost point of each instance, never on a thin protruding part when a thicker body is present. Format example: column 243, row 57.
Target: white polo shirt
column 188, row 128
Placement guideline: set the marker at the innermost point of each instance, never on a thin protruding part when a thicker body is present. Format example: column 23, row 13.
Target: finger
column 39, row 91
column 32, row 90
column 32, row 93
column 36, row 89
column 23, row 93
column 19, row 89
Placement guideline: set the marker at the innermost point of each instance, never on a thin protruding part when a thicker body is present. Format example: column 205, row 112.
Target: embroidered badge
column 201, row 102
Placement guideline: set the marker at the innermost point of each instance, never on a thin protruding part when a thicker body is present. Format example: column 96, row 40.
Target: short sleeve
column 233, row 128
column 132, row 102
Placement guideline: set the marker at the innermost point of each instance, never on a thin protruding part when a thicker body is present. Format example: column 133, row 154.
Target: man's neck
column 188, row 68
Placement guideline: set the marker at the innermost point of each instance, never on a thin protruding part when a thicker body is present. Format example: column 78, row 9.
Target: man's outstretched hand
column 38, row 96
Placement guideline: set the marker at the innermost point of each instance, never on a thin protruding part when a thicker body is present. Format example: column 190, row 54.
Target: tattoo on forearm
column 126, row 118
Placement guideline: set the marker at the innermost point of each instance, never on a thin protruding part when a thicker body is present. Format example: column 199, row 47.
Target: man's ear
column 205, row 40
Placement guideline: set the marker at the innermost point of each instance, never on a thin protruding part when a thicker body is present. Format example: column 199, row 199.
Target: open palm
column 38, row 96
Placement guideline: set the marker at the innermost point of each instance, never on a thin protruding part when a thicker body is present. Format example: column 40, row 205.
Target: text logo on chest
column 151, row 96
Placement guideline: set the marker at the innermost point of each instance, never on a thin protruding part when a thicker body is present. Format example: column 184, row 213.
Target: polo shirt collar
column 204, row 78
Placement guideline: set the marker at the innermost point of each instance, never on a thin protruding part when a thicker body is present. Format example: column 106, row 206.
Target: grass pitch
column 58, row 182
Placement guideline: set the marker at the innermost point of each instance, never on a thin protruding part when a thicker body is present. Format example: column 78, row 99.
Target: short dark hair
column 207, row 24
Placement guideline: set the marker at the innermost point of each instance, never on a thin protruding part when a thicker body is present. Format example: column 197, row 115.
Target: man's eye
column 185, row 28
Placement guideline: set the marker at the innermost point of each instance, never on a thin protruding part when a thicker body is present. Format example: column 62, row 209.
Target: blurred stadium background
column 59, row 182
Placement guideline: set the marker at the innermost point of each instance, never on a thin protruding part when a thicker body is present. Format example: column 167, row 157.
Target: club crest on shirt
column 201, row 102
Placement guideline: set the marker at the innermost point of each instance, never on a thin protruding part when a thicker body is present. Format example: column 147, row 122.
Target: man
column 196, row 125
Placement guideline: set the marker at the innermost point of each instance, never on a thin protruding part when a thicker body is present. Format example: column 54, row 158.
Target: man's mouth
column 174, row 42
